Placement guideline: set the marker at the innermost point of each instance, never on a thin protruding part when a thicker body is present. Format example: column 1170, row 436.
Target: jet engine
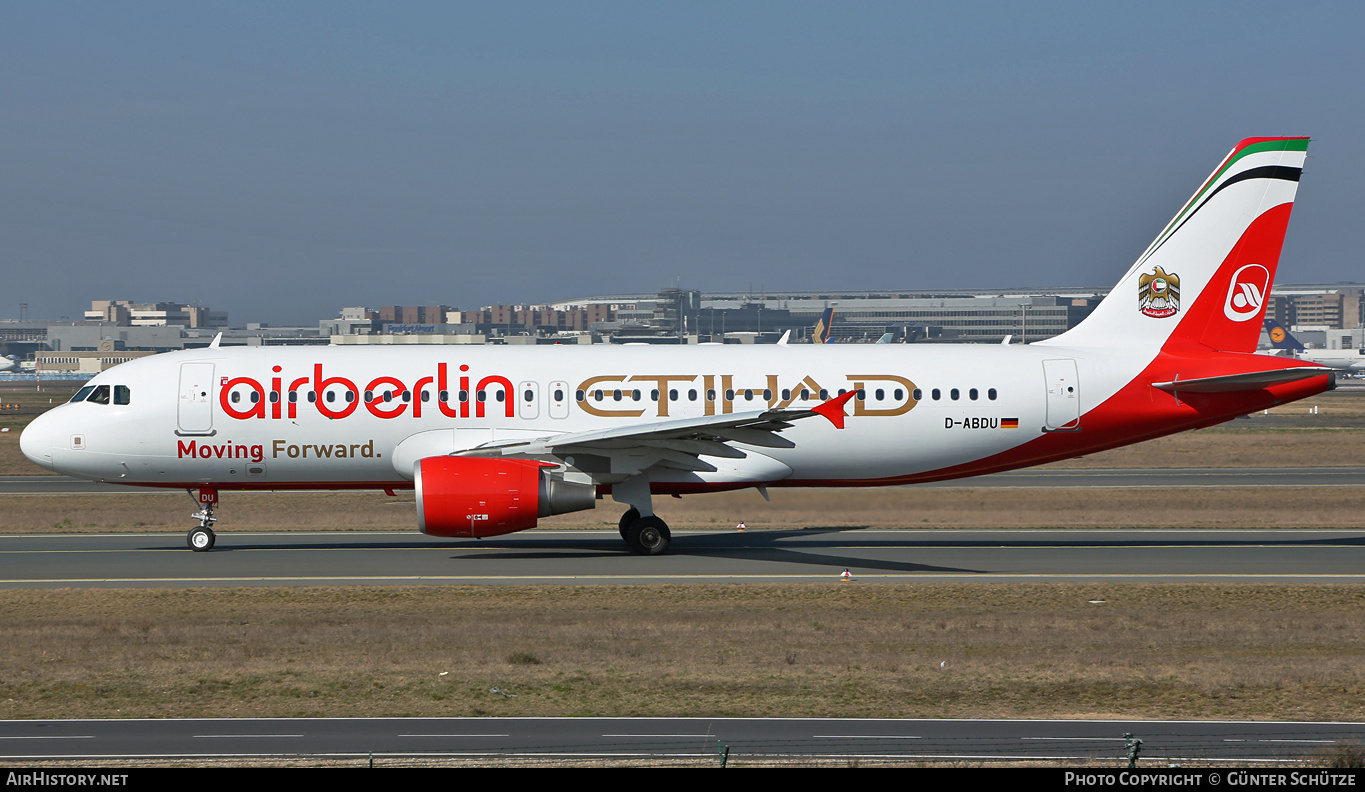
column 479, row 496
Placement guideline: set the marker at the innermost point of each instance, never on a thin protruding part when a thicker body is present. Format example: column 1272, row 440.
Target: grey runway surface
column 696, row 738
column 1044, row 477
column 597, row 557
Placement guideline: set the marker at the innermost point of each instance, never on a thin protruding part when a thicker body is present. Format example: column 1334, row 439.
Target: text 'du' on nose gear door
column 1063, row 396
column 195, row 411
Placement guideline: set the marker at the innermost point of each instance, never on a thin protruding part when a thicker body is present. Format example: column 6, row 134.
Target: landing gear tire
column 200, row 539
column 648, row 536
column 626, row 519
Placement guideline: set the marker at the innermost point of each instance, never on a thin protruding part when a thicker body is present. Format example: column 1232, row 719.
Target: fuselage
column 339, row 417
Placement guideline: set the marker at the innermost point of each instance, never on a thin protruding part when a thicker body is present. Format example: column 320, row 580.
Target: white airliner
column 494, row 437
column 1348, row 360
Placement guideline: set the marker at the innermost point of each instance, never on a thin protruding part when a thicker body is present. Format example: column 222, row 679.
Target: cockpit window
column 101, row 395
column 121, row 394
column 82, row 394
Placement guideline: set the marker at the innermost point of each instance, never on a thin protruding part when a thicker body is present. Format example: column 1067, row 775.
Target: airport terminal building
column 1329, row 316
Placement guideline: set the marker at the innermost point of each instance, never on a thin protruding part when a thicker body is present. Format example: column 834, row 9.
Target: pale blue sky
column 281, row 160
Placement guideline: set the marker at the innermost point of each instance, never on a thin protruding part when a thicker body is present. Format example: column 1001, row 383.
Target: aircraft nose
column 37, row 439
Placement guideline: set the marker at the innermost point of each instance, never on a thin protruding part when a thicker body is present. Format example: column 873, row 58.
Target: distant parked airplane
column 823, row 327
column 1352, row 360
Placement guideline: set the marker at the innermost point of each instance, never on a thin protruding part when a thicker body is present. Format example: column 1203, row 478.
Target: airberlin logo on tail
column 1247, row 293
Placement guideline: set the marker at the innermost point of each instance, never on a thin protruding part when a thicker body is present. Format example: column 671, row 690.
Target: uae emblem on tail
column 1159, row 294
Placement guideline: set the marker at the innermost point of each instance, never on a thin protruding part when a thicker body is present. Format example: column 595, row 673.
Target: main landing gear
column 201, row 537
column 645, row 535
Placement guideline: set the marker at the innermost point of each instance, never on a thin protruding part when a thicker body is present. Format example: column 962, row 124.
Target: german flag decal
column 1009, row 423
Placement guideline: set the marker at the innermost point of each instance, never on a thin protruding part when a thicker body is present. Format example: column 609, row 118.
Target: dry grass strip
column 912, row 650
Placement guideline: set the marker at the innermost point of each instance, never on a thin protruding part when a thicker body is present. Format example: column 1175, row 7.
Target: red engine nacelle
column 479, row 496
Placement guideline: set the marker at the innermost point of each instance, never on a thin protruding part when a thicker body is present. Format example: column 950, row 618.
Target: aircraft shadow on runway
column 749, row 546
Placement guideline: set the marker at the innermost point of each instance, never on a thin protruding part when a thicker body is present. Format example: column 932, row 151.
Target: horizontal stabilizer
column 1254, row 380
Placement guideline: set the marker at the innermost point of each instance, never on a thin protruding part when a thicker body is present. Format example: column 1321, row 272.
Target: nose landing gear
column 201, row 537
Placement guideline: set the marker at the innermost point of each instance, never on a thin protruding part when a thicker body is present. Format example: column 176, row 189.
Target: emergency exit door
column 1063, row 396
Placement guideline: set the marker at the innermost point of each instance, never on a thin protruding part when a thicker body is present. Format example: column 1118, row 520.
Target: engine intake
column 479, row 496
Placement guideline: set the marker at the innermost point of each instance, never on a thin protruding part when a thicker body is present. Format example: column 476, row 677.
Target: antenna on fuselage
column 216, row 339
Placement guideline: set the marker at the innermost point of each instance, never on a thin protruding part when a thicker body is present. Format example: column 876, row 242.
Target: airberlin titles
column 608, row 396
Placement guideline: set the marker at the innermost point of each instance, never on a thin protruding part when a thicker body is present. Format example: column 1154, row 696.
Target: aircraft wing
column 676, row 443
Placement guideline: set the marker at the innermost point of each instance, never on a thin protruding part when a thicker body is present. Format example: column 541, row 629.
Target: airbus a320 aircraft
column 494, row 437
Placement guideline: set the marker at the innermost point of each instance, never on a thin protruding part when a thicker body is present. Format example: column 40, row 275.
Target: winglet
column 218, row 339
column 834, row 408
